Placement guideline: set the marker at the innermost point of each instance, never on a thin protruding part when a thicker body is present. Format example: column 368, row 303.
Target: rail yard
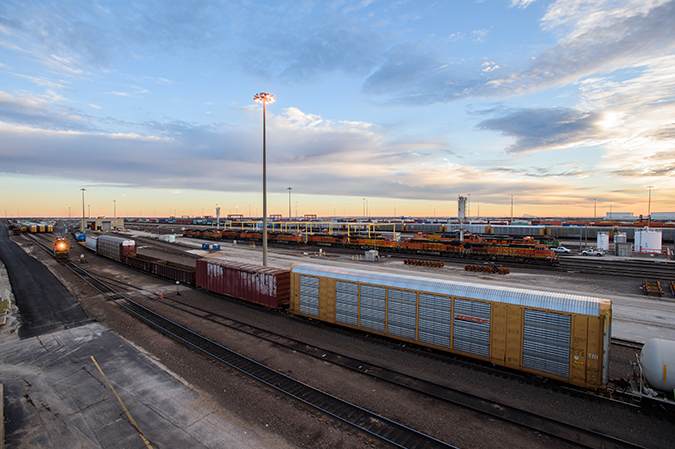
column 412, row 391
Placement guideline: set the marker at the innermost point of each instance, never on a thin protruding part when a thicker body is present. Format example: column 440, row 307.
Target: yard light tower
column 511, row 210
column 289, row 203
column 83, row 190
column 264, row 98
column 649, row 207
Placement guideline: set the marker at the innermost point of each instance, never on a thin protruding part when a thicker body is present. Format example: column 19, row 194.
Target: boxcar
column 561, row 336
column 252, row 283
column 114, row 247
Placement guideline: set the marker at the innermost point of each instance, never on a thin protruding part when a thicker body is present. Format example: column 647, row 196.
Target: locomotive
column 61, row 248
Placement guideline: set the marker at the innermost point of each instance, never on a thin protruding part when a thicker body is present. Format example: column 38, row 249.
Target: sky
column 383, row 108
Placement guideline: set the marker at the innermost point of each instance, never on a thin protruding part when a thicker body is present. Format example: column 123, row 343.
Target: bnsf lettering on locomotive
column 471, row 318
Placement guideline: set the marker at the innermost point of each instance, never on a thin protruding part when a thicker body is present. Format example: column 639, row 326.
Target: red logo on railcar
column 471, row 318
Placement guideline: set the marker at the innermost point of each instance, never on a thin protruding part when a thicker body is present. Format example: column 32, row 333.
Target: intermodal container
column 261, row 285
column 115, row 247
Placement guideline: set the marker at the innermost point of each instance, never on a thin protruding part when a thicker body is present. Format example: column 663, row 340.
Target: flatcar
column 561, row 336
column 61, row 248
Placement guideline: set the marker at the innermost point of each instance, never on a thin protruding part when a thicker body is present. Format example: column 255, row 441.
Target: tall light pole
column 264, row 98
column 594, row 208
column 364, row 208
column 511, row 210
column 83, row 190
column 114, row 209
column 289, row 203
column 469, row 195
column 649, row 209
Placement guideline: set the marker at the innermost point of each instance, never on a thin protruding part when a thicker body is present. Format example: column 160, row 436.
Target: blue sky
column 397, row 106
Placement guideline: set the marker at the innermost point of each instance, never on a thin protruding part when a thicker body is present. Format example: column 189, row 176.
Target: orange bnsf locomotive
column 61, row 248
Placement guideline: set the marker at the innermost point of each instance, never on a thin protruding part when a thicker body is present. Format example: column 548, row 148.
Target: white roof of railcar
column 559, row 302
column 123, row 241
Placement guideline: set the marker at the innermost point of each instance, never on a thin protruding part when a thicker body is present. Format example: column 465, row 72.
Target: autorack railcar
column 561, row 336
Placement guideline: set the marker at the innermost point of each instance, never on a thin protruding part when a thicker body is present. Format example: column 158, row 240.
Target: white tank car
column 658, row 364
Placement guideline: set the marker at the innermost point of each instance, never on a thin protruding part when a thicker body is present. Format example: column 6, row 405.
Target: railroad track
column 489, row 408
column 389, row 431
column 394, row 433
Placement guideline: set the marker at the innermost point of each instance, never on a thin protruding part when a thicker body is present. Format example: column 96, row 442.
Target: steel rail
column 560, row 430
column 392, row 432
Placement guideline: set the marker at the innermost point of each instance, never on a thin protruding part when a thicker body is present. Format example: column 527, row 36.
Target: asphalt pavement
column 44, row 303
column 72, row 383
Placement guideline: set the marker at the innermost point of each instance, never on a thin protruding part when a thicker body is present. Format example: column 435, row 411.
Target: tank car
column 654, row 381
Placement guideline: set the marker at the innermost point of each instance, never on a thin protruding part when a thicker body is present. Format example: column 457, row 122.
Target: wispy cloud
column 544, row 129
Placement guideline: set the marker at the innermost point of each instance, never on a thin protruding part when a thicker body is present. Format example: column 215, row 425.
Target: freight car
column 79, row 236
column 162, row 268
column 261, row 285
column 560, row 336
column 652, row 378
column 61, row 248
column 115, row 248
column 124, row 251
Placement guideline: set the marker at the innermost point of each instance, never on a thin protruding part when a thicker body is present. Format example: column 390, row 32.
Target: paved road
column 44, row 303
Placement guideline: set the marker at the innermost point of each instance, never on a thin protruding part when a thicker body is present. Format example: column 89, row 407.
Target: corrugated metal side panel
column 309, row 295
column 90, row 243
column 401, row 313
column 584, row 305
column 261, row 285
column 347, row 303
column 546, row 342
column 373, row 305
column 471, row 327
column 435, row 316
column 108, row 248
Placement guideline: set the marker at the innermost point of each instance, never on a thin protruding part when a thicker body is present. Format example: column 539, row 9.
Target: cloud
column 544, row 129
column 610, row 39
column 522, row 4
column 314, row 152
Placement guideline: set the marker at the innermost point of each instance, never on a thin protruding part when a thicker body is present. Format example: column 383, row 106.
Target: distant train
column 525, row 249
column 124, row 251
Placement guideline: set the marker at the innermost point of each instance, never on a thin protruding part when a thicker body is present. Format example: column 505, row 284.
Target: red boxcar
column 261, row 285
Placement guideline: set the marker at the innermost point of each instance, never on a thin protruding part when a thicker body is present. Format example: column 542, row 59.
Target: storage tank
column 657, row 356
column 620, row 237
column 603, row 241
column 648, row 240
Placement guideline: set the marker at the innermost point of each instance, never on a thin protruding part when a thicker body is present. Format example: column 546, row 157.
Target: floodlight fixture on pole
column 264, row 98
